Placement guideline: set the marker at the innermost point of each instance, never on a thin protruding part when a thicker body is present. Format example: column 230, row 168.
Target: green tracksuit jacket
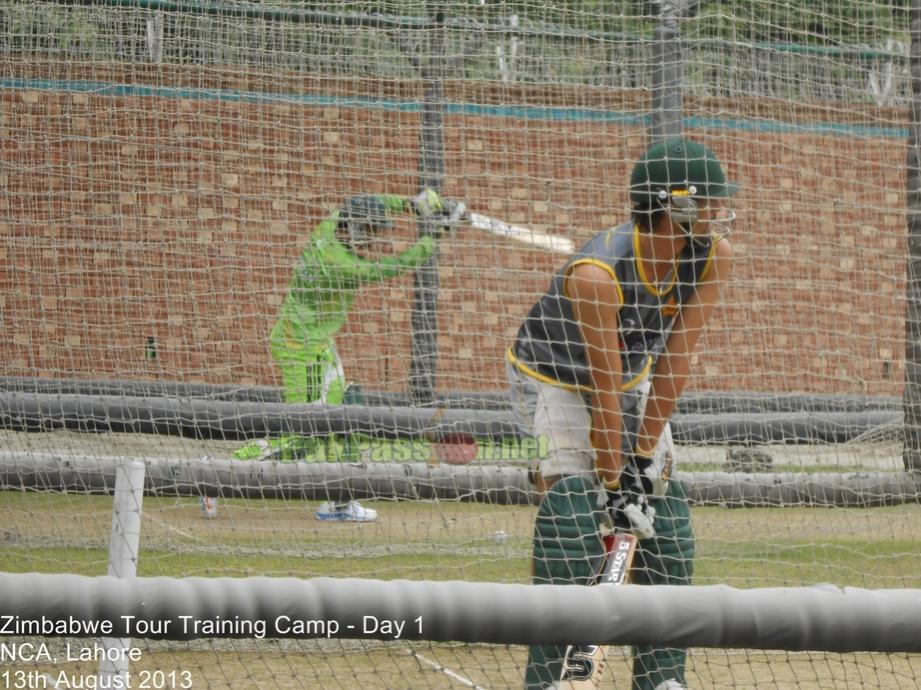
column 320, row 296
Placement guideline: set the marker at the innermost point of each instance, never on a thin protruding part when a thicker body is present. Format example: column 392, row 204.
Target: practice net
column 163, row 164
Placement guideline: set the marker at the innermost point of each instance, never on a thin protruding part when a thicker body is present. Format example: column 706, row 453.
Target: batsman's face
column 714, row 217
column 381, row 243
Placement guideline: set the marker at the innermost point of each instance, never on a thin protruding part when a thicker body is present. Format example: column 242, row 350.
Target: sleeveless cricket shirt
column 549, row 344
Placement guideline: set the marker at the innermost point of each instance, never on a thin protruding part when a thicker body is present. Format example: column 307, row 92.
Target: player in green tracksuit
column 329, row 275
column 596, row 370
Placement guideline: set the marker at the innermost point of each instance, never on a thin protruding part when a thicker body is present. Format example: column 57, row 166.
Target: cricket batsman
column 332, row 269
column 597, row 368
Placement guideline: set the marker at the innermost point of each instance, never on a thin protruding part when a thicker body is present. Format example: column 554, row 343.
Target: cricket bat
column 584, row 665
column 554, row 243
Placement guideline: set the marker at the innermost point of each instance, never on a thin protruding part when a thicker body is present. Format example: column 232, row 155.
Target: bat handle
column 459, row 213
column 608, row 540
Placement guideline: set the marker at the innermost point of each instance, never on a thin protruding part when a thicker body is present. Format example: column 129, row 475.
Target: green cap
column 677, row 164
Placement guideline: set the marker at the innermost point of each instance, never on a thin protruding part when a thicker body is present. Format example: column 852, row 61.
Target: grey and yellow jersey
column 549, row 344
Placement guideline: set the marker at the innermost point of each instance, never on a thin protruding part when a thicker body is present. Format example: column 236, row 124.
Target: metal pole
column 123, row 559
column 666, row 77
column 155, row 37
column 424, row 318
column 911, row 453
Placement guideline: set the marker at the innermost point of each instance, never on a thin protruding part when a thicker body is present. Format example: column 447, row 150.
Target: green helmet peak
column 677, row 165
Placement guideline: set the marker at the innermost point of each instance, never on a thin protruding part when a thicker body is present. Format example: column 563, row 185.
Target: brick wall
column 176, row 217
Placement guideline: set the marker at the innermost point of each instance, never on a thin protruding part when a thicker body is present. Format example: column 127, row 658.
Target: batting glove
column 651, row 474
column 453, row 213
column 628, row 505
column 427, row 203
column 639, row 473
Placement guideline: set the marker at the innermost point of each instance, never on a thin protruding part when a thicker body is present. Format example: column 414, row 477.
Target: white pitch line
column 175, row 529
column 448, row 672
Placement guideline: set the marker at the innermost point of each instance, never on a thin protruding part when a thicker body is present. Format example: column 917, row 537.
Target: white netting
column 162, row 165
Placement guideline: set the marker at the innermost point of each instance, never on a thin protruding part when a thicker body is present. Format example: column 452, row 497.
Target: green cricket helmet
column 362, row 216
column 677, row 167
column 368, row 210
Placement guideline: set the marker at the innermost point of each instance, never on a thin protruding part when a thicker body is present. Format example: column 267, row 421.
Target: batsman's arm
column 394, row 203
column 674, row 364
column 596, row 299
column 344, row 268
column 362, row 271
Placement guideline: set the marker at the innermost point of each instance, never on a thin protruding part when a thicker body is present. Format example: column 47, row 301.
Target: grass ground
column 68, row 532
column 750, row 547
column 45, row 532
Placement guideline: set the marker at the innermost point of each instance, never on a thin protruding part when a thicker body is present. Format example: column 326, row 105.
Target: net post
column 123, row 556
column 424, row 317
column 911, row 452
column 666, row 116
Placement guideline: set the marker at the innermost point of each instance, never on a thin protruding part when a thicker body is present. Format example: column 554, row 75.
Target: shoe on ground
column 260, row 449
column 352, row 511
column 290, row 449
column 208, row 506
column 670, row 685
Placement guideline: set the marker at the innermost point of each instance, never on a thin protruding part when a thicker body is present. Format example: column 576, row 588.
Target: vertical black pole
column 911, row 452
column 667, row 99
column 424, row 317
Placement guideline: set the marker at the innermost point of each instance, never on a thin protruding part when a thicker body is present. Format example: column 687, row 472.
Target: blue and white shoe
column 208, row 506
column 352, row 511
column 670, row 685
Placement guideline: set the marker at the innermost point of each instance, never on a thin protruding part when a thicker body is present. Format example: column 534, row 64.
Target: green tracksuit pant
column 307, row 376
column 568, row 550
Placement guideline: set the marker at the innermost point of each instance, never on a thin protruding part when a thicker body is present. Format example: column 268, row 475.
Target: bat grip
column 608, row 540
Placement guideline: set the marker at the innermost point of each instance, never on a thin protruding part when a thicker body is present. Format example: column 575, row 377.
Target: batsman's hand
column 640, row 473
column 427, row 203
column 629, row 506
column 445, row 214
column 453, row 214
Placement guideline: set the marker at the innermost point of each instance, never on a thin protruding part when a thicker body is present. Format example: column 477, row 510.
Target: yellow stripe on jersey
column 593, row 262
column 636, row 380
column 642, row 271
column 528, row 371
column 710, row 256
